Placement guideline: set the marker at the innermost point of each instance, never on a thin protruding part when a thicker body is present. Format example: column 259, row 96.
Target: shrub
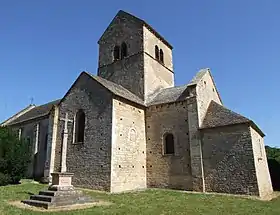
column 273, row 159
column 4, row 179
column 14, row 156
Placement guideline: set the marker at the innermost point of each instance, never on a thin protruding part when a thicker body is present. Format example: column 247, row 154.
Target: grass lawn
column 150, row 202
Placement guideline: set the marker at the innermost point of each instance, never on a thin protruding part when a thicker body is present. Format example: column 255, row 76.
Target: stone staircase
column 53, row 198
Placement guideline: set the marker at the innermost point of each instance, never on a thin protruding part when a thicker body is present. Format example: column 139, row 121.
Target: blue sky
column 44, row 45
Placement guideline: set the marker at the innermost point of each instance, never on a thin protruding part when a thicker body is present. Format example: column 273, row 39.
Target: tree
column 273, row 159
column 14, row 157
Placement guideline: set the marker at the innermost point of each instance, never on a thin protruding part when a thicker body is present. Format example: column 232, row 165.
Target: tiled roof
column 177, row 93
column 36, row 112
column 218, row 115
column 168, row 95
column 198, row 76
column 23, row 111
column 117, row 89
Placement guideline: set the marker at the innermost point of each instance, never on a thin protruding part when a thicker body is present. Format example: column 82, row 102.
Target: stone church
column 130, row 128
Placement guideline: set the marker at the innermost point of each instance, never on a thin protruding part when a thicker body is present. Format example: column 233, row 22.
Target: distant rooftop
column 36, row 112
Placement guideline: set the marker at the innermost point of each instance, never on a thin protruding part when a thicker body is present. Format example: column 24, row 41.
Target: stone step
column 36, row 203
column 60, row 193
column 71, row 201
column 42, row 198
column 61, row 188
column 47, row 193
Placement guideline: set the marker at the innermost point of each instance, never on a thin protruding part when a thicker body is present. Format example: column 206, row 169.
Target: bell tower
column 133, row 55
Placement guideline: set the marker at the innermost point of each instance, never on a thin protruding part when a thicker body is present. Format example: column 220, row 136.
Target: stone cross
column 64, row 142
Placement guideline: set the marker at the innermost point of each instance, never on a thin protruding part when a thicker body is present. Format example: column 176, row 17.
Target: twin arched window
column 116, row 53
column 120, row 52
column 161, row 58
column 80, row 126
column 159, row 54
column 169, row 144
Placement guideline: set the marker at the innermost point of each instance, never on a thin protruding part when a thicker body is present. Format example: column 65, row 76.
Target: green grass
column 151, row 202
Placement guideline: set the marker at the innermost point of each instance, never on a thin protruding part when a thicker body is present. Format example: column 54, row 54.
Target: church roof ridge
column 168, row 95
column 150, row 28
column 116, row 89
column 36, row 112
column 218, row 116
column 198, row 76
column 16, row 115
column 175, row 93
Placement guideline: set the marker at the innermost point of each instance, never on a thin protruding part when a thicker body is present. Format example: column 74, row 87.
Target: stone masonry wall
column 156, row 76
column 228, row 160
column 195, row 144
column 122, row 29
column 89, row 161
column 139, row 72
column 261, row 165
column 51, row 144
column 206, row 92
column 28, row 130
column 168, row 171
column 150, row 41
column 128, row 171
column 128, row 73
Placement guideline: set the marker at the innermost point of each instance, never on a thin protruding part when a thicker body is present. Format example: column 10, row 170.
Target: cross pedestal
column 61, row 181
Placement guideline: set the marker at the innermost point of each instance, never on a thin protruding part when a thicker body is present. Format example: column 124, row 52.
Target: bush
column 273, row 159
column 14, row 156
column 4, row 179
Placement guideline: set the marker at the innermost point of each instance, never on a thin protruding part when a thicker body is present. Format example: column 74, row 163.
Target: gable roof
column 18, row 114
column 195, row 80
column 36, row 112
column 177, row 93
column 116, row 89
column 198, row 76
column 44, row 110
column 140, row 21
column 112, row 87
column 217, row 116
column 168, row 95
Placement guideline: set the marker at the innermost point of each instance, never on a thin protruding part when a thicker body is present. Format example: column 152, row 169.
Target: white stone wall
column 150, row 41
column 128, row 161
column 168, row 171
column 157, row 75
column 51, row 143
column 261, row 165
column 206, row 92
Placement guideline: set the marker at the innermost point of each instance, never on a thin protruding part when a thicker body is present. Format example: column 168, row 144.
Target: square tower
column 133, row 55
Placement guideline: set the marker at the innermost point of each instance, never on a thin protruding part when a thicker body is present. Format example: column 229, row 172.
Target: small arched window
column 156, row 53
column 80, row 126
column 116, row 53
column 169, row 144
column 161, row 57
column 123, row 50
